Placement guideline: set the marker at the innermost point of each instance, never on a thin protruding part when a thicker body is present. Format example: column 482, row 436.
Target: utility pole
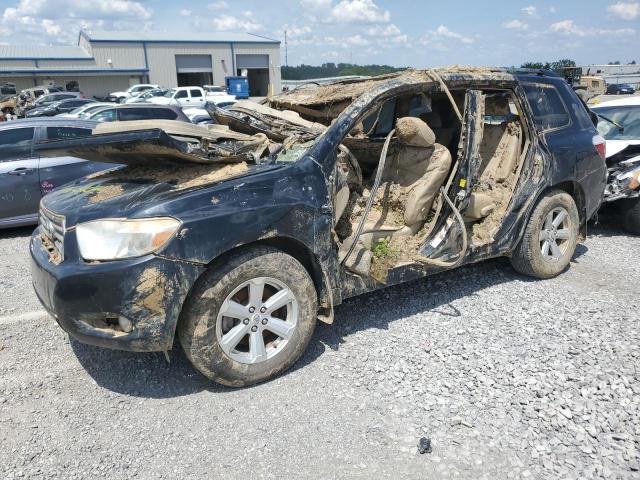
column 286, row 50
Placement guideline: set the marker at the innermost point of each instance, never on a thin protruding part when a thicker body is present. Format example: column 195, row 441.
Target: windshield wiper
column 619, row 125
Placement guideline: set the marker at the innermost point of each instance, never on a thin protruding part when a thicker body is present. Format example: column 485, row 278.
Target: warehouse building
column 105, row 62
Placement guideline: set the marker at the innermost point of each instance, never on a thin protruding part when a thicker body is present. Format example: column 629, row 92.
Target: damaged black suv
column 239, row 236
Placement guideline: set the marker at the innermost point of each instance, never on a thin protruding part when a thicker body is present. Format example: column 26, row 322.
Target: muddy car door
column 19, row 185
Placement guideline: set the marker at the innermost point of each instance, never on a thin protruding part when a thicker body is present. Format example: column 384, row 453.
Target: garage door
column 193, row 63
column 252, row 61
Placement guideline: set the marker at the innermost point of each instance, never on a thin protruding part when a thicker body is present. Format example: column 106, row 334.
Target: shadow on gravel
column 143, row 374
column 17, row 232
column 376, row 310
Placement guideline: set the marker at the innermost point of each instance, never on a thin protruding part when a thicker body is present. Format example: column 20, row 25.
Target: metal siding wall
column 162, row 61
column 57, row 64
column 16, row 64
column 123, row 55
column 21, row 82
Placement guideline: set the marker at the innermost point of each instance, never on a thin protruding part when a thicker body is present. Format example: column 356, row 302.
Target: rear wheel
column 630, row 210
column 249, row 319
column 550, row 238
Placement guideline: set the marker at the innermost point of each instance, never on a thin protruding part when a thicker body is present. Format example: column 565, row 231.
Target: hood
column 136, row 192
column 616, row 146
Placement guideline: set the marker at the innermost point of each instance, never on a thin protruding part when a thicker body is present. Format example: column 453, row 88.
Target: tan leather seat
column 415, row 170
column 500, row 151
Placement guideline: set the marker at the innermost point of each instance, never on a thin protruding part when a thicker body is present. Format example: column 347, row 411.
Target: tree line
column 306, row 72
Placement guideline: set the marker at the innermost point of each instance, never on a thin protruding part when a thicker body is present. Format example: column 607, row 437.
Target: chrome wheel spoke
column 545, row 248
column 231, row 339
column 256, row 290
column 279, row 327
column 233, row 309
column 562, row 234
column 544, row 235
column 278, row 300
column 562, row 214
column 548, row 223
column 556, row 252
column 257, row 349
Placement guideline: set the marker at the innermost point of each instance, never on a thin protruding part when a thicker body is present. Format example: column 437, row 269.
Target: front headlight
column 117, row 239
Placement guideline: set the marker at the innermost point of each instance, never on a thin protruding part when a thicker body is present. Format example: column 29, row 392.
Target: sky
column 400, row 33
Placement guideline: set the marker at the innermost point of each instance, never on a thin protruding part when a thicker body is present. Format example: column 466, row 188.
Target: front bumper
column 86, row 299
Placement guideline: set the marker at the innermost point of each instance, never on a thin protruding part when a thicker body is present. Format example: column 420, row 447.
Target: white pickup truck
column 190, row 97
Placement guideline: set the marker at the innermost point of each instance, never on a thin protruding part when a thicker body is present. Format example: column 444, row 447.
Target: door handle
column 21, row 171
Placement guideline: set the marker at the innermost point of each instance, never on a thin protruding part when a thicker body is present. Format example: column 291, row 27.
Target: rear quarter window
column 549, row 111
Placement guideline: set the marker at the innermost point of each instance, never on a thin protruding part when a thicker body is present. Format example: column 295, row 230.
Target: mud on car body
column 238, row 236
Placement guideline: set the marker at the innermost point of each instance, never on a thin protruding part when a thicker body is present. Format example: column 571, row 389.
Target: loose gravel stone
column 508, row 376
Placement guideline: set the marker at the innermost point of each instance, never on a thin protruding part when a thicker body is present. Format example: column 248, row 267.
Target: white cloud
column 530, row 10
column 356, row 41
column 552, row 9
column 220, row 5
column 384, row 31
column 568, row 27
column 185, row 13
column 316, row 5
column 229, row 22
column 359, row 11
column 515, row 25
column 443, row 31
column 60, row 20
column 625, row 10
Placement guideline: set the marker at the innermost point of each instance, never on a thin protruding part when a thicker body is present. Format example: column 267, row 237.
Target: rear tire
column 550, row 238
column 630, row 210
column 229, row 323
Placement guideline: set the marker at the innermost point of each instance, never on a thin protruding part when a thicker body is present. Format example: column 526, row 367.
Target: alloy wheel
column 555, row 234
column 256, row 320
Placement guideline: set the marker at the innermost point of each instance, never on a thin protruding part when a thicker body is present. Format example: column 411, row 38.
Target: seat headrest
column 414, row 132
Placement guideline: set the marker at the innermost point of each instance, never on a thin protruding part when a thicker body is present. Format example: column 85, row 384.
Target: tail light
column 601, row 146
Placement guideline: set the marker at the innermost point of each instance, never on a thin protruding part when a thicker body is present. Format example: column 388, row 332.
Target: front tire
column 630, row 209
column 550, row 237
column 249, row 319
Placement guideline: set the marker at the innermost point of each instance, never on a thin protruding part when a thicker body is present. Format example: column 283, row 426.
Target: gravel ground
column 508, row 377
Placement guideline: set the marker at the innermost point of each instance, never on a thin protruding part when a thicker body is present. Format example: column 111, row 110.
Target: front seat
column 414, row 172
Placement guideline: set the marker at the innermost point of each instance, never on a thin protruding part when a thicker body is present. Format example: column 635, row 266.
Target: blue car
column 25, row 177
column 620, row 89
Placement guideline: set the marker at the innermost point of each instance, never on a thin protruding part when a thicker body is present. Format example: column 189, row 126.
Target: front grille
column 52, row 227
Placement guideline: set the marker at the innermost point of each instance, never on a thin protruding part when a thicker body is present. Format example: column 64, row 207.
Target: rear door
column 19, row 182
column 58, row 171
column 197, row 97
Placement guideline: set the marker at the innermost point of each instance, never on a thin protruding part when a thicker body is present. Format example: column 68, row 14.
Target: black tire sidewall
column 197, row 331
column 630, row 209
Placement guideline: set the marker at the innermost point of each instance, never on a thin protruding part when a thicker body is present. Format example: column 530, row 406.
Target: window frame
column 31, row 154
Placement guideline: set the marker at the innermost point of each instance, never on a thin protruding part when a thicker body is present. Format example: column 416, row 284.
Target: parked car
column 25, row 177
column 619, row 124
column 240, row 236
column 136, row 111
column 84, row 110
column 189, row 97
column 132, row 91
column 7, row 90
column 620, row 89
column 199, row 115
column 27, row 98
column 144, row 96
column 61, row 106
column 46, row 100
